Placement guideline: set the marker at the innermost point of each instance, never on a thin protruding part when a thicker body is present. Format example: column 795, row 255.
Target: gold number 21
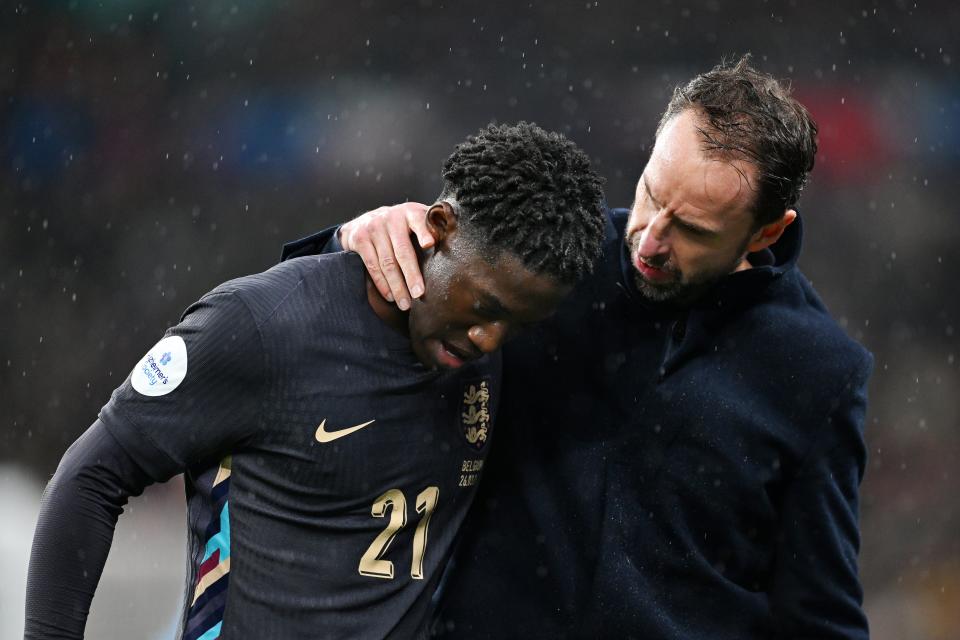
column 371, row 562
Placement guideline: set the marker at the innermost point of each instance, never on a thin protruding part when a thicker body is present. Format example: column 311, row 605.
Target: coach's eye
column 695, row 231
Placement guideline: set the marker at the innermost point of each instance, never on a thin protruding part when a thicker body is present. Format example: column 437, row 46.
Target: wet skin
column 691, row 222
column 473, row 303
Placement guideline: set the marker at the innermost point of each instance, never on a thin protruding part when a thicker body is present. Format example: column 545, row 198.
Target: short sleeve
column 196, row 395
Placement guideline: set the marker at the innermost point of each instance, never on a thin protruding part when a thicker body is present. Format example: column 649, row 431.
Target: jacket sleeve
column 816, row 590
column 326, row 241
column 74, row 532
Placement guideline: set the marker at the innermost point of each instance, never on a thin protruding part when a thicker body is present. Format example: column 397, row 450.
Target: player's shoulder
column 309, row 279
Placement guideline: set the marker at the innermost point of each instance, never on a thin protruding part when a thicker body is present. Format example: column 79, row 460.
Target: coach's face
column 691, row 221
column 472, row 305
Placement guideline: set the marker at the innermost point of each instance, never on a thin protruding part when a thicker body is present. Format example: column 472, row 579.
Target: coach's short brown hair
column 751, row 115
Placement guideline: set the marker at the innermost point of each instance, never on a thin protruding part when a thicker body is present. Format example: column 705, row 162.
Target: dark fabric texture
column 688, row 476
column 671, row 476
column 287, row 517
column 219, row 405
column 78, row 514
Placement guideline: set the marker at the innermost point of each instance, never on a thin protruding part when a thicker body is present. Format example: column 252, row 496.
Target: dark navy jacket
column 689, row 475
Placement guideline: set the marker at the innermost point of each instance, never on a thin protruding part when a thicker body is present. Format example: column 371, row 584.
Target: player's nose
column 488, row 337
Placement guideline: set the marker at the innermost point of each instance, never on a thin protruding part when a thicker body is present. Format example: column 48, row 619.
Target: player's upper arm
column 197, row 393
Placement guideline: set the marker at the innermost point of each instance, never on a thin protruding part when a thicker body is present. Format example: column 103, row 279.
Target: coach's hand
column 382, row 238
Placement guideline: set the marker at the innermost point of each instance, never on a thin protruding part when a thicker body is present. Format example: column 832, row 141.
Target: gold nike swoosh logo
column 329, row 436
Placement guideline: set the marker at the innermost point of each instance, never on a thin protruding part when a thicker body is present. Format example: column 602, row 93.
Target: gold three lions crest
column 475, row 413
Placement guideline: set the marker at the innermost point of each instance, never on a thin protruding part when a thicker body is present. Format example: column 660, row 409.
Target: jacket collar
column 696, row 327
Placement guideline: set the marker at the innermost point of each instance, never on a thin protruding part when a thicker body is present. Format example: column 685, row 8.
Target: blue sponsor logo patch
column 162, row 369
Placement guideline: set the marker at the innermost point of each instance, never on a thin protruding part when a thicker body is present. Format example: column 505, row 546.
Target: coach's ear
column 442, row 223
column 770, row 233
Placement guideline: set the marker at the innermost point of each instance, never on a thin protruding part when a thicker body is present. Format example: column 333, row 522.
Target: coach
column 681, row 446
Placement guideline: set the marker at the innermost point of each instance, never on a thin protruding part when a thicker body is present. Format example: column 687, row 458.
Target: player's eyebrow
column 693, row 227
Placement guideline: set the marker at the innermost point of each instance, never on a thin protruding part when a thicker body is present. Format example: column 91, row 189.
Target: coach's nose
column 653, row 238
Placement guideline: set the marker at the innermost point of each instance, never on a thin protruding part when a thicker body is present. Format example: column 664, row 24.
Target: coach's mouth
column 650, row 272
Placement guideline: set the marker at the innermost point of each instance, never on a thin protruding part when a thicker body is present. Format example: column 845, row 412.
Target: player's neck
column 386, row 311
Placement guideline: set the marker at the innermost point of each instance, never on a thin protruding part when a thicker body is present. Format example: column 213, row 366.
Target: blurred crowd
column 150, row 150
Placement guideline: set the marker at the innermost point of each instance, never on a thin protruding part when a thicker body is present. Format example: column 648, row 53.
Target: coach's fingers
column 382, row 238
column 416, row 214
column 352, row 233
column 357, row 235
column 402, row 245
column 368, row 252
column 387, row 262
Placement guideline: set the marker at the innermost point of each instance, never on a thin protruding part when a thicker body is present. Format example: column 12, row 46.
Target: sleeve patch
column 162, row 369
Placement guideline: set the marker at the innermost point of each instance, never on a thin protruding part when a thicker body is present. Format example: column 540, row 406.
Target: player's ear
column 770, row 233
column 442, row 222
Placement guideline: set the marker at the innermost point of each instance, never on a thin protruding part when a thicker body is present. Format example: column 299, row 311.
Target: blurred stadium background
column 151, row 149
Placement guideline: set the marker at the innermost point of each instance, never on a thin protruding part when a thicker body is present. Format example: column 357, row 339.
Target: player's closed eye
column 488, row 309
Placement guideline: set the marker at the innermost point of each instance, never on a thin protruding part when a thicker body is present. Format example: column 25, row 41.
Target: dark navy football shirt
column 327, row 470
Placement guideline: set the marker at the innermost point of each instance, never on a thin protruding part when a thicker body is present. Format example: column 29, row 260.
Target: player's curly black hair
column 532, row 193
